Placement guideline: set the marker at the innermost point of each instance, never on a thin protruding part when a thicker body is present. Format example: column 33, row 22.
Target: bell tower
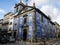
column 20, row 1
column 18, row 6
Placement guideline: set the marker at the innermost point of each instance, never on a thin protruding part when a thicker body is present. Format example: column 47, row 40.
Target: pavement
column 54, row 42
column 17, row 43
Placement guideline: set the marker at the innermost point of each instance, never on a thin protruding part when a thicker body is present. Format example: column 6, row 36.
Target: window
column 42, row 18
column 17, row 9
column 25, row 20
column 10, row 23
column 48, row 22
column 15, row 23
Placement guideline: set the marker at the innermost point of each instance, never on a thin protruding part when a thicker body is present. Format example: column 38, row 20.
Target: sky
column 49, row 7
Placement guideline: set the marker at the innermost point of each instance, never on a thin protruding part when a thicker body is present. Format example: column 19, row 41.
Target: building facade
column 28, row 23
column 1, row 21
column 7, row 23
column 32, row 24
column 57, row 26
column 8, row 18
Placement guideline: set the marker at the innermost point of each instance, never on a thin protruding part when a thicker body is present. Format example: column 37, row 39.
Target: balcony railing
column 5, row 22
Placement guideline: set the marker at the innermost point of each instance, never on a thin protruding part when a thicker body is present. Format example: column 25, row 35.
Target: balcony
column 5, row 27
column 5, row 22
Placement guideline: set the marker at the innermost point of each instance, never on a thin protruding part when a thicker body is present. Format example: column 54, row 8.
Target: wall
column 44, row 29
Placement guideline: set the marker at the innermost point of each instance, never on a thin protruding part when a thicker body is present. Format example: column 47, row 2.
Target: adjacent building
column 57, row 26
column 1, row 20
column 7, row 23
column 52, row 30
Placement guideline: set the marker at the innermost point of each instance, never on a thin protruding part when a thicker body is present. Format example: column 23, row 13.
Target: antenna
column 34, row 4
column 20, row 1
column 26, row 2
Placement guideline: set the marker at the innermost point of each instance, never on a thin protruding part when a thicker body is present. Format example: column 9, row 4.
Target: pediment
column 23, row 8
column 26, row 9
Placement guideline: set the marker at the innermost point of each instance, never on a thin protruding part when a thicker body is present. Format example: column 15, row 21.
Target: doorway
column 58, row 36
column 14, row 35
column 24, row 34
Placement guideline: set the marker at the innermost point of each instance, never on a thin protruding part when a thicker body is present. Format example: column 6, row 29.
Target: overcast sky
column 49, row 7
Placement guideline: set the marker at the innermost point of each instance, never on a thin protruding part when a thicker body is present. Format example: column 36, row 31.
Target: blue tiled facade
column 38, row 26
column 36, row 21
column 30, row 25
column 20, row 27
column 43, row 29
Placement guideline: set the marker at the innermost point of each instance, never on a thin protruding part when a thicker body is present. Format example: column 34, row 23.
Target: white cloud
column 49, row 8
column 51, row 11
column 58, row 19
column 38, row 2
column 2, row 11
